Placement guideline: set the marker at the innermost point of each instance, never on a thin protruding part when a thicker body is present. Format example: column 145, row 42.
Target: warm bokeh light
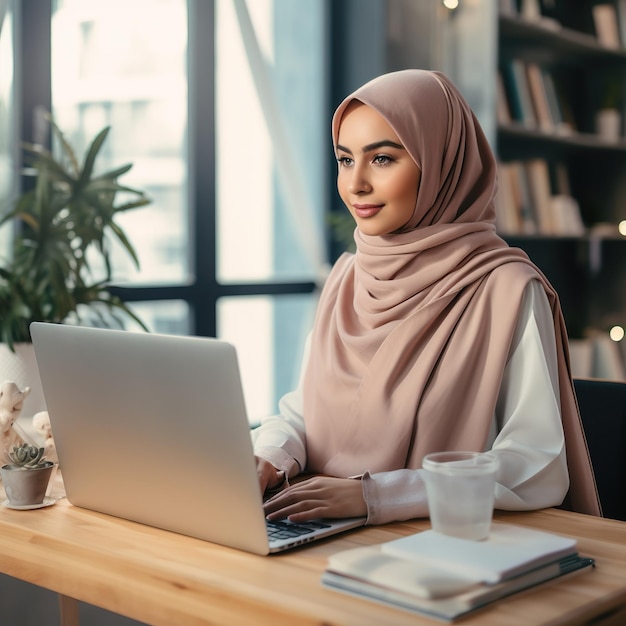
column 616, row 333
column 622, row 228
column 451, row 4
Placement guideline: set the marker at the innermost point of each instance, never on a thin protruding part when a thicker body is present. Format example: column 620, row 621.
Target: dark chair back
column 603, row 411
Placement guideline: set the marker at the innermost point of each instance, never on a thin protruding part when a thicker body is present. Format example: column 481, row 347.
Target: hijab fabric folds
column 413, row 331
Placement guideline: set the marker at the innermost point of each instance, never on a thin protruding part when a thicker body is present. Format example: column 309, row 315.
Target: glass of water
column 461, row 488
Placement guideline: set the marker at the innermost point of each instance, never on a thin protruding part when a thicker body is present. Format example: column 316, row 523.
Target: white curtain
column 4, row 5
column 298, row 201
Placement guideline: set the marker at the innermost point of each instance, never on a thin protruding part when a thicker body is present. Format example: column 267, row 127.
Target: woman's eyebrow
column 385, row 143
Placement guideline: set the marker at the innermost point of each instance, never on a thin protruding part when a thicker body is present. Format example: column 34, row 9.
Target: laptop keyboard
column 283, row 529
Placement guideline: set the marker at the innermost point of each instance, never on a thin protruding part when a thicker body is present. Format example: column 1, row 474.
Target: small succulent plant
column 27, row 456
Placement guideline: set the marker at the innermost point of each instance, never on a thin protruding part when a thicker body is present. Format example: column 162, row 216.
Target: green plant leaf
column 115, row 173
column 67, row 217
column 90, row 159
column 65, row 146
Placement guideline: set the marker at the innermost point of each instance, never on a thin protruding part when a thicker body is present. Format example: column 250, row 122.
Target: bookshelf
column 562, row 189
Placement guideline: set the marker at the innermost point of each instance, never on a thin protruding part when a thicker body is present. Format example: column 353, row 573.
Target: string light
column 622, row 228
column 616, row 333
column 451, row 4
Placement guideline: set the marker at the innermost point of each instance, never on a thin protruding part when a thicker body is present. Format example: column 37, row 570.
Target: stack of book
column 447, row 577
column 527, row 204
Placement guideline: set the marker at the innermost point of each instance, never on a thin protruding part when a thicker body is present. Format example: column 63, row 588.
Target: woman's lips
column 366, row 210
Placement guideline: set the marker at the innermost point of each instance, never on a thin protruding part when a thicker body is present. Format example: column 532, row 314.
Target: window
column 123, row 65
column 221, row 108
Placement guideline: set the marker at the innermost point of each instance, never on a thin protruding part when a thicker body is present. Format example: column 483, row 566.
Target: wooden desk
column 162, row 578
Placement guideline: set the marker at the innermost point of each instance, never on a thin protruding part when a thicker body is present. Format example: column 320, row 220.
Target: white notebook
column 509, row 551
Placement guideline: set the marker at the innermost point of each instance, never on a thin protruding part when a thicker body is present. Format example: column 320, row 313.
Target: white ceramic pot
column 26, row 487
column 21, row 367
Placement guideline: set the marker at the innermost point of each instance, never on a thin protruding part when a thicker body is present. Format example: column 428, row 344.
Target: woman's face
column 377, row 179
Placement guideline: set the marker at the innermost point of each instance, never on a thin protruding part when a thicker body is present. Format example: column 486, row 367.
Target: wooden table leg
column 68, row 608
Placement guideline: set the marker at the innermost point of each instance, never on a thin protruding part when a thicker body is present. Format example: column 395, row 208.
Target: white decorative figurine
column 41, row 424
column 11, row 404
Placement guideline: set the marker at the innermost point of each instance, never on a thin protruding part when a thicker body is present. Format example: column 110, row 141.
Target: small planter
column 26, row 477
column 26, row 487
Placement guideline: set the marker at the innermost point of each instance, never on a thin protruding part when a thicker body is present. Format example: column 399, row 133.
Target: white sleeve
column 281, row 438
column 527, row 433
column 530, row 443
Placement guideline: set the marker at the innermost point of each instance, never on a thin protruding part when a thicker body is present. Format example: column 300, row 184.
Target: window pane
column 275, row 225
column 123, row 64
column 7, row 120
column 169, row 317
column 269, row 334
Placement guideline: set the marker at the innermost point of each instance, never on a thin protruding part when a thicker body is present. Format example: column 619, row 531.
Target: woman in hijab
column 435, row 335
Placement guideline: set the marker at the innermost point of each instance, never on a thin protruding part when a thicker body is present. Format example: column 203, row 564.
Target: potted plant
column 26, row 477
column 59, row 267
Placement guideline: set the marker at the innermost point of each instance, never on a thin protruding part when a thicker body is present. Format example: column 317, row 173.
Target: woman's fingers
column 318, row 497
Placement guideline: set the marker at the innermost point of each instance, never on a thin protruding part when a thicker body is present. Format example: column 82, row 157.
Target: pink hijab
column 413, row 332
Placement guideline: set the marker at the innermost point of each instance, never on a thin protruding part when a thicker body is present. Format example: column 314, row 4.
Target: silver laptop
column 153, row 428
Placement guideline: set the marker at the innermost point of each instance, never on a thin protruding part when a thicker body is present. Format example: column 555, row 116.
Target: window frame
column 202, row 290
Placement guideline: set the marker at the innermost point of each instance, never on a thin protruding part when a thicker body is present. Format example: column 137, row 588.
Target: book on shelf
column 538, row 92
column 561, row 179
column 503, row 110
column 606, row 25
column 530, row 9
column 565, row 208
column 507, row 211
column 527, row 204
column 518, row 91
column 517, row 179
column 620, row 7
column 542, row 12
column 447, row 577
column 541, row 195
column 566, row 218
column 561, row 125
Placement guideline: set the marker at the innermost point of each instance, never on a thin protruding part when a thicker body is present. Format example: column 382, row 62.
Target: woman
column 434, row 336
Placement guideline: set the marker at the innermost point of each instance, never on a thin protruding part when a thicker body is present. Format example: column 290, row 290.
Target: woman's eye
column 345, row 161
column 382, row 159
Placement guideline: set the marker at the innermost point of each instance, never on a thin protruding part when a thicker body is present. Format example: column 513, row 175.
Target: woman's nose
column 359, row 181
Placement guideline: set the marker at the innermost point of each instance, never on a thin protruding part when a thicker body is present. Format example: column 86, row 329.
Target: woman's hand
column 320, row 496
column 269, row 476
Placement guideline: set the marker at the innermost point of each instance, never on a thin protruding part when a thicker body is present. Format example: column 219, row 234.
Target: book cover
column 508, row 551
column 521, row 190
column 530, row 9
column 517, row 90
column 539, row 96
column 606, row 25
column 566, row 217
column 456, row 604
column 561, row 125
column 520, row 84
column 503, row 109
column 541, row 192
column 620, row 8
column 507, row 205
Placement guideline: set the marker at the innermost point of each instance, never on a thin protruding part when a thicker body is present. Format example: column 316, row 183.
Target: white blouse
column 526, row 432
